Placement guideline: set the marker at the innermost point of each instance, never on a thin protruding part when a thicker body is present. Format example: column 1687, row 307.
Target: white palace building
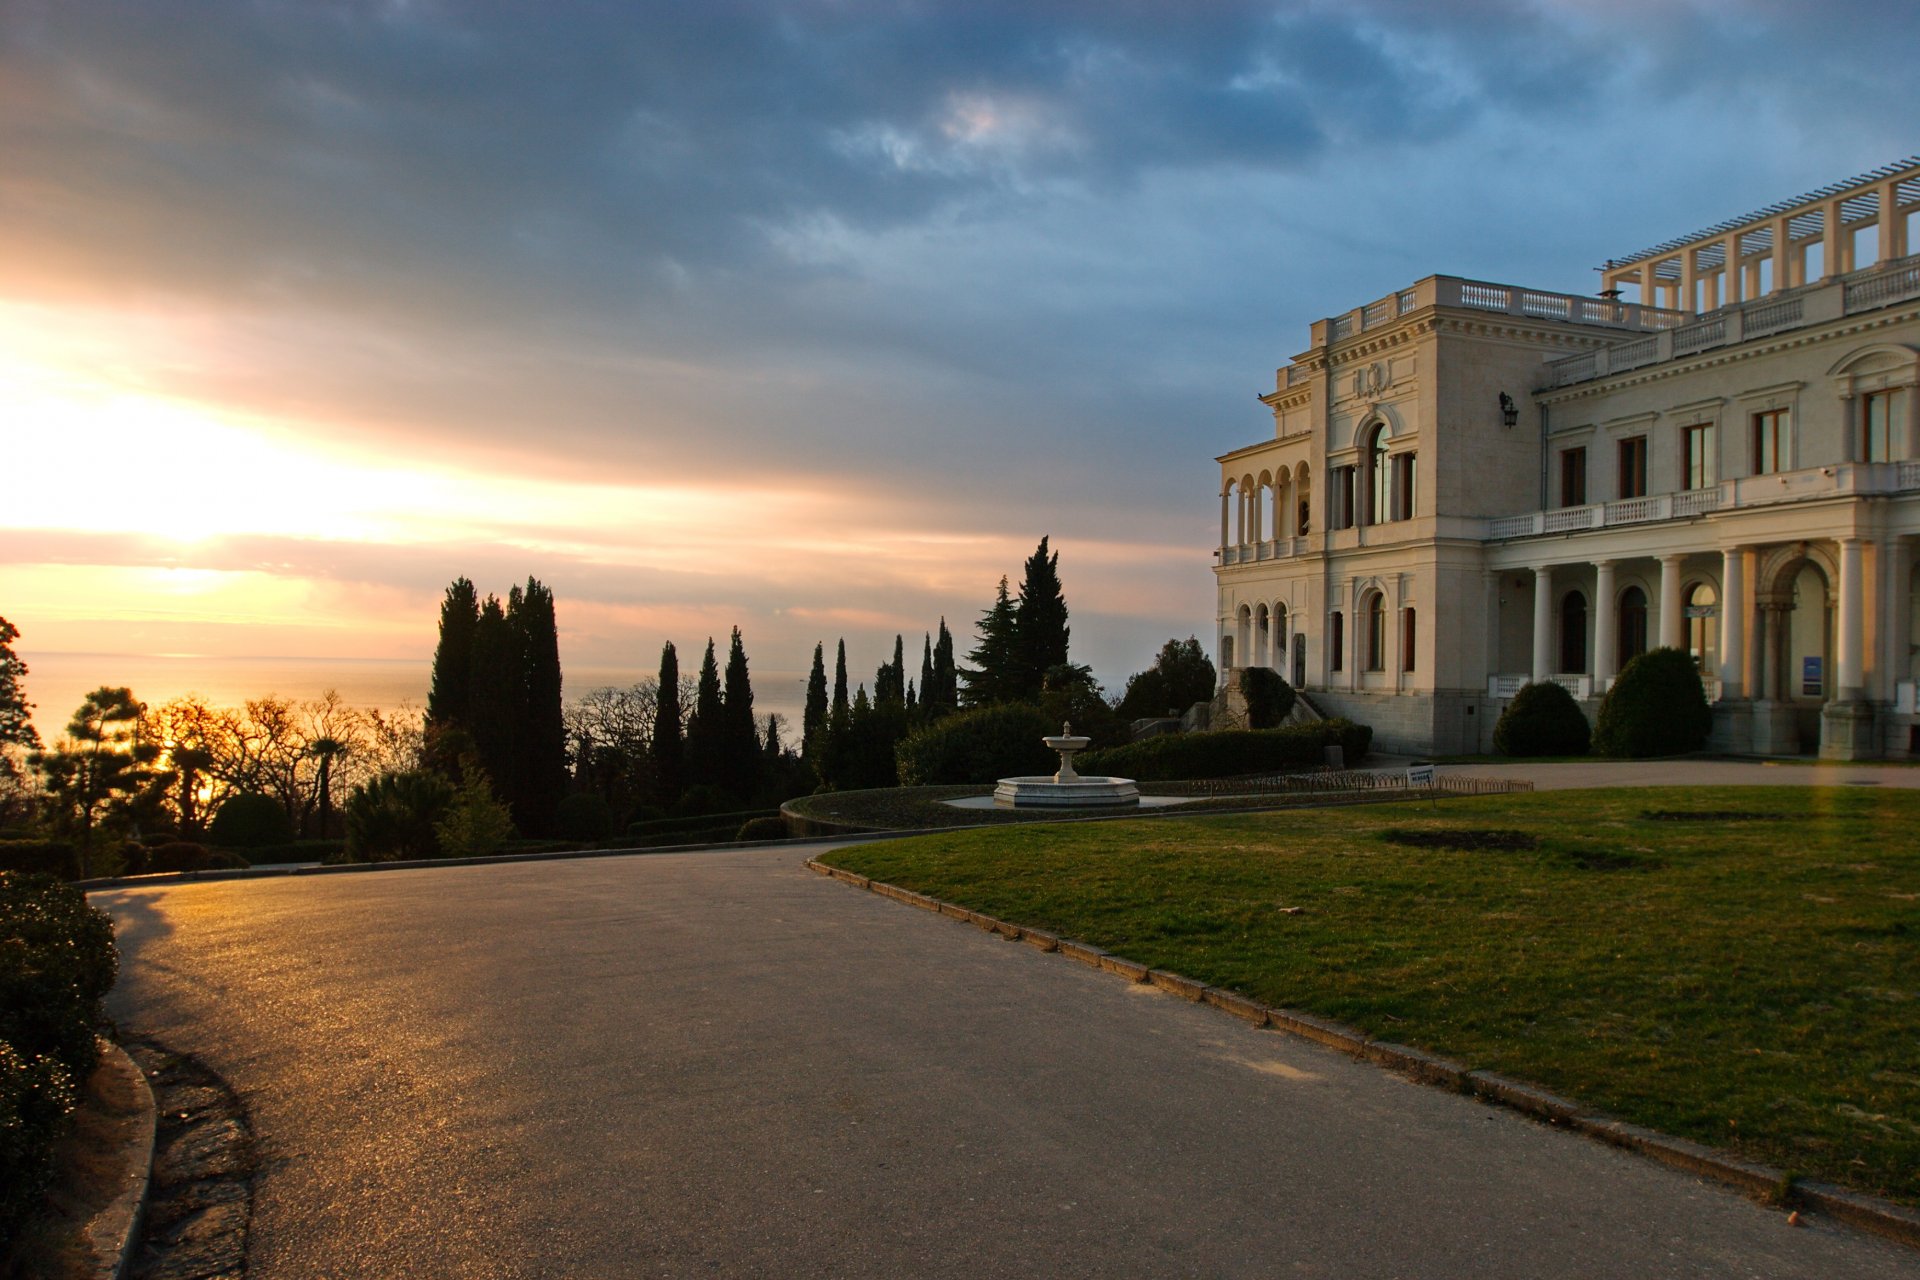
column 1469, row 486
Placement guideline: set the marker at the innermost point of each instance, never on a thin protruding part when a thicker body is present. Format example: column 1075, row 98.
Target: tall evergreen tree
column 813, row 722
column 497, row 693
column 668, row 747
column 448, row 696
column 926, row 669
column 996, row 659
column 706, row 730
column 542, row 775
column 942, row 693
column 740, row 742
column 840, row 680
column 1041, row 629
column 16, row 713
column 890, row 681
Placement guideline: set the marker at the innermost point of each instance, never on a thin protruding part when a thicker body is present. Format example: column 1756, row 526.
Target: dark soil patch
column 1709, row 815
column 1602, row 860
column 1468, row 838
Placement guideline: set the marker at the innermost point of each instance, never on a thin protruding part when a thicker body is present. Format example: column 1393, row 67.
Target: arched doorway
column 1633, row 625
column 1701, row 608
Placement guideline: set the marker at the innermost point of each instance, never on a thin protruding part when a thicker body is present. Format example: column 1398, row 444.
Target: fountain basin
column 1044, row 792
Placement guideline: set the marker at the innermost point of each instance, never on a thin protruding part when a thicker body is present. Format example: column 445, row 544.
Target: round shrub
column 248, row 821
column 225, row 860
column 392, row 818
column 180, row 855
column 1542, row 720
column 1269, row 697
column 1658, row 707
column 982, row 745
column 762, row 829
column 36, row 1096
column 57, row 963
column 585, row 817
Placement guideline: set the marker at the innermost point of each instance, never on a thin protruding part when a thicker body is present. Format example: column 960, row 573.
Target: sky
column 807, row 318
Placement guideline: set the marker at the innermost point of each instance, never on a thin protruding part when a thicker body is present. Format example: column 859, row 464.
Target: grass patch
column 1752, row 984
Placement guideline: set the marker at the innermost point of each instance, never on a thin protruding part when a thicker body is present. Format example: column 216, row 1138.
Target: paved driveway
column 723, row 1065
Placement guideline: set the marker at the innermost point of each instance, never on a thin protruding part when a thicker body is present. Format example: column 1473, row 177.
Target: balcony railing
column 1869, row 289
column 1849, row 479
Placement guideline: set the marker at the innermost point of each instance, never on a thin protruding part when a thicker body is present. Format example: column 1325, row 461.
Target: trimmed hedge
column 762, row 829
column 983, row 745
column 249, row 821
column 1657, row 707
column 54, row 858
column 57, row 963
column 1542, row 720
column 1225, row 753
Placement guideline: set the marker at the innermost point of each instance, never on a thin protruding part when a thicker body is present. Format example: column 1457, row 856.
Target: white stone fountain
column 1065, row 789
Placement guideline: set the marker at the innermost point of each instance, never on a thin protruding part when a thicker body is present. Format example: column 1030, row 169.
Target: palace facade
column 1471, row 485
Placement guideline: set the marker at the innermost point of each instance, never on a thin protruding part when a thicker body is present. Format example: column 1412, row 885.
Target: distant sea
column 56, row 682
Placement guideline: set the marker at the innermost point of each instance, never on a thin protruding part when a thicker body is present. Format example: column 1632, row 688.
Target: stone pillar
column 1775, row 617
column 1732, row 293
column 1673, row 627
column 1850, row 624
column 1896, row 614
column 1257, row 509
column 1783, row 255
column 1606, row 633
column 1225, row 519
column 1490, row 604
column 1733, row 623
column 1849, row 428
column 1833, row 255
column 1542, row 623
column 1893, row 223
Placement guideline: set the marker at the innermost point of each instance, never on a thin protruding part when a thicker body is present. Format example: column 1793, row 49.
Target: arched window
column 1633, row 624
column 1379, row 492
column 1376, row 632
column 1573, row 632
column 1702, row 613
column 1337, row 638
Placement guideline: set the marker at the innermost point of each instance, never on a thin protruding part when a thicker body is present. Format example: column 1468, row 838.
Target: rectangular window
column 1573, row 477
column 1403, row 482
column 1879, row 410
column 1633, row 467
column 1406, row 639
column 1698, row 463
column 1337, row 640
column 1772, row 444
column 1340, row 499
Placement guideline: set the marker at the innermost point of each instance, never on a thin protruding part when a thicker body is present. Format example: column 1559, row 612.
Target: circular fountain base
column 1042, row 792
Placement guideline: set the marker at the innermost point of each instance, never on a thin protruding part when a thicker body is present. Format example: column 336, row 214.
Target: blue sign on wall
column 1810, row 677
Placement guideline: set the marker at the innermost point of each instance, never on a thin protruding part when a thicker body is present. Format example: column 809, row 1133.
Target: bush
column 979, row 746
column 1269, row 697
column 55, row 858
column 393, row 817
column 181, row 855
column 1228, row 752
column 703, row 799
column 762, row 829
column 474, row 821
column 36, row 1097
column 1658, row 707
column 585, row 817
column 56, row 964
column 1542, row 720
column 248, row 820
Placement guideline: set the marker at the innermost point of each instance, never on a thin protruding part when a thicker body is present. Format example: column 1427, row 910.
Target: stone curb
column 112, row 1233
column 1758, row 1181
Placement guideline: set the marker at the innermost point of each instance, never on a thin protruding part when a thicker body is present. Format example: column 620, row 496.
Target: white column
column 1895, row 611
column 1733, row 622
column 1226, row 521
column 1783, row 270
column 1606, row 633
column 1850, row 628
column 1833, row 255
column 1258, row 504
column 1542, row 623
column 1673, row 629
column 1490, row 607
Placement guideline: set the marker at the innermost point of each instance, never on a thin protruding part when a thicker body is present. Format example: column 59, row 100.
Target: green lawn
column 1748, row 976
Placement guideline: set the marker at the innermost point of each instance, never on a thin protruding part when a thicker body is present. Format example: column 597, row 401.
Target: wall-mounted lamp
column 1509, row 411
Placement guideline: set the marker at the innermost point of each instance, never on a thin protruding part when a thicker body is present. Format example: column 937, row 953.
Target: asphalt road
column 722, row 1065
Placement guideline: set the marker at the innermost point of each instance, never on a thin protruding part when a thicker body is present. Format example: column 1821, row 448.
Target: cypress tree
column 706, row 730
column 448, row 697
column 497, row 692
column 1041, row 628
column 740, row 743
column 942, row 693
column 926, row 669
column 996, row 659
column 668, row 747
column 542, row 781
column 840, row 680
column 814, row 723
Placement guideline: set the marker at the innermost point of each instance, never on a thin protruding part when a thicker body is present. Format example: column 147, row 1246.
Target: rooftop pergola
column 1838, row 229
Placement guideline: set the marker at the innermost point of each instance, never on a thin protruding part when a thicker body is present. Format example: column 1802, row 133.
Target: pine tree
column 16, row 713
column 668, row 747
column 1041, row 627
column 813, row 723
column 840, row 680
column 448, row 698
column 95, row 776
column 740, row 744
column 542, row 781
column 706, row 730
column 996, row 672
column 497, row 694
